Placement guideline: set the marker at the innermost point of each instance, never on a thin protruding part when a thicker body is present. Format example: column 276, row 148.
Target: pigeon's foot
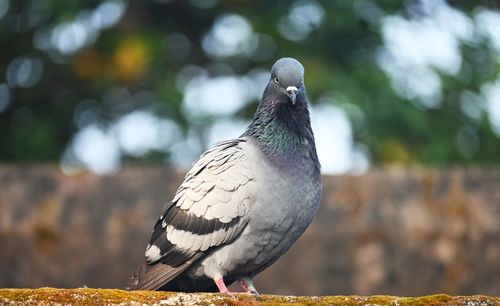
column 247, row 285
column 219, row 281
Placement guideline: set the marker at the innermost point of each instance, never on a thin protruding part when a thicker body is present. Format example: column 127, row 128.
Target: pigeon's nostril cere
column 291, row 89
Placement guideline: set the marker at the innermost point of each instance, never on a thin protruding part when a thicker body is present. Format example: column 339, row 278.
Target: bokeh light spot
column 491, row 93
column 130, row 60
column 4, row 8
column 5, row 97
column 303, row 18
column 178, row 46
column 107, row 14
column 24, row 71
column 140, row 131
column 95, row 149
column 334, row 141
column 230, row 35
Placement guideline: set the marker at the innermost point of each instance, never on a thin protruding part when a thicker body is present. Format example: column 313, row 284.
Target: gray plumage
column 244, row 202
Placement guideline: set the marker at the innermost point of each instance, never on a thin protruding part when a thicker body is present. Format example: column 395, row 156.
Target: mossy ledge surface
column 88, row 296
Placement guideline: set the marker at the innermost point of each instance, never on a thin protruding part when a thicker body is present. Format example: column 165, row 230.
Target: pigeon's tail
column 153, row 277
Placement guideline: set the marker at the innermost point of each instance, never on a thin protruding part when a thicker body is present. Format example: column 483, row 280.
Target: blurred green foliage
column 139, row 54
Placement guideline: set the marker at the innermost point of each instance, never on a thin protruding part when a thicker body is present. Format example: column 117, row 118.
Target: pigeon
column 244, row 202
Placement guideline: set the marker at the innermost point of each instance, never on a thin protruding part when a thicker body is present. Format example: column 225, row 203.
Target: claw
column 247, row 285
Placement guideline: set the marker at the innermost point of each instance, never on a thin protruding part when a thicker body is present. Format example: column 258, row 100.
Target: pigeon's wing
column 207, row 211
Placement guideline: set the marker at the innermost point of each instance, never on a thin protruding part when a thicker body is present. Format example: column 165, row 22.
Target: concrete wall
column 399, row 231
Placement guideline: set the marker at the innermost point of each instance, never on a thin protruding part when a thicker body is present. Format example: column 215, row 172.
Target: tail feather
column 153, row 277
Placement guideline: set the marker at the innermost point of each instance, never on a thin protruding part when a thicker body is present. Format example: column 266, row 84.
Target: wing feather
column 153, row 277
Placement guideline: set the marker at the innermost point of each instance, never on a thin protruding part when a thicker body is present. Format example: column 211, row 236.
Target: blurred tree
column 72, row 71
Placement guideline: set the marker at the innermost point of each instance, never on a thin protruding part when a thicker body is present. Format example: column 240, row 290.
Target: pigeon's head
column 287, row 77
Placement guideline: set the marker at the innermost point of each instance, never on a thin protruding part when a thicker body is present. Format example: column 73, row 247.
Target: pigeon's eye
column 301, row 81
column 276, row 81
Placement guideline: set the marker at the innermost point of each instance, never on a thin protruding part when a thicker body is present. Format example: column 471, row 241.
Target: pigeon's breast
column 284, row 204
column 288, row 200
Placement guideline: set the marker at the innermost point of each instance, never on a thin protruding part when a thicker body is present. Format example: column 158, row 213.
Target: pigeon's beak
column 292, row 93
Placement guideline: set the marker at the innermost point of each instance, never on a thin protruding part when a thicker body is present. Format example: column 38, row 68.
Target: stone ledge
column 440, row 225
column 88, row 296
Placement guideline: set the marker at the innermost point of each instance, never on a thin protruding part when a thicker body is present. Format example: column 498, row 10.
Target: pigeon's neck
column 283, row 132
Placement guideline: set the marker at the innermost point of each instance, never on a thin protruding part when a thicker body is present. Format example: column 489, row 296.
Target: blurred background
column 405, row 106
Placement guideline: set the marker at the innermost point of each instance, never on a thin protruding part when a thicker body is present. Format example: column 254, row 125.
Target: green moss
column 82, row 296
column 438, row 299
column 89, row 296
